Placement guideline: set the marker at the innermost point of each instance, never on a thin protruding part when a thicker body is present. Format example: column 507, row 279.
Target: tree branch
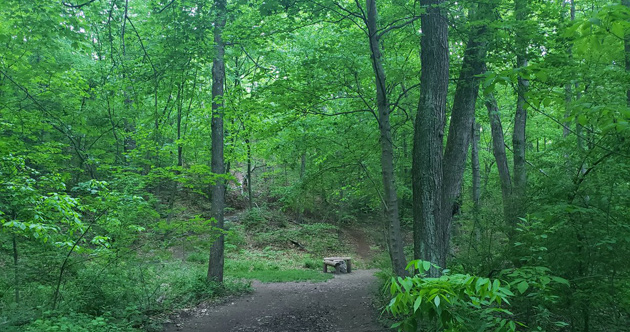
column 393, row 27
column 77, row 6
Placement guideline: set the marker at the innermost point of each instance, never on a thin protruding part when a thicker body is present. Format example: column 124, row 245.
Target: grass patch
column 282, row 275
column 281, row 269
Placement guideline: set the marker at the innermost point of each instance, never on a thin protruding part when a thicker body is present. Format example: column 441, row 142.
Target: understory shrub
column 451, row 302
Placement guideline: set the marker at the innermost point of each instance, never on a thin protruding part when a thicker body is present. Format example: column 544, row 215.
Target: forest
column 159, row 154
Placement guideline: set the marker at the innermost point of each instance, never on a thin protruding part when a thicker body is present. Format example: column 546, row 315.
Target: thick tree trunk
column 428, row 137
column 387, row 148
column 462, row 118
column 438, row 181
column 520, row 117
column 498, row 149
column 215, row 266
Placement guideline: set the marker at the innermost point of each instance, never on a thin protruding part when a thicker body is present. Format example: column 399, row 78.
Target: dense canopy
column 487, row 139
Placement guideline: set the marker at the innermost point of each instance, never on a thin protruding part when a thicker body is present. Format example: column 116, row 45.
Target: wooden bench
column 337, row 262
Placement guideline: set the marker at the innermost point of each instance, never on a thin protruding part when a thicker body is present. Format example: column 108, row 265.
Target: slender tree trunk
column 180, row 156
column 568, row 87
column 300, row 205
column 390, row 200
column 215, row 266
column 498, row 149
column 578, row 94
column 428, row 136
column 16, row 270
column 249, row 174
column 626, row 45
column 476, row 179
column 520, row 117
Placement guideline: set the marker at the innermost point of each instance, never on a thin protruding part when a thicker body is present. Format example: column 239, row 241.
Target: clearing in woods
column 343, row 304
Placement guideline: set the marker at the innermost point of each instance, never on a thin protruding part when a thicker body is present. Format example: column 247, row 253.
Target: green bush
column 454, row 302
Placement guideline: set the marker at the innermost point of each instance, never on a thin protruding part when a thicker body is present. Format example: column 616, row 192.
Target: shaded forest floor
column 344, row 303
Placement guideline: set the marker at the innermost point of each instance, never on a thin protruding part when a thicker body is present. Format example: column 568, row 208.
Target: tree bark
column 438, row 180
column 462, row 118
column 476, row 178
column 250, row 198
column 16, row 271
column 498, row 150
column 520, row 117
column 428, row 136
column 626, row 46
column 180, row 151
column 300, row 201
column 391, row 209
column 216, row 262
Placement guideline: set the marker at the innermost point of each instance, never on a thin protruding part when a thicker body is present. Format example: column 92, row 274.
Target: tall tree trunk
column 462, row 118
column 568, row 87
column 249, row 174
column 498, row 149
column 215, row 266
column 390, row 200
column 16, row 271
column 626, row 45
column 428, row 136
column 438, row 180
column 180, row 151
column 300, row 205
column 520, row 117
column 476, row 178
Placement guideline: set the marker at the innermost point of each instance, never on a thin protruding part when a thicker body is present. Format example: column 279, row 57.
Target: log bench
column 337, row 262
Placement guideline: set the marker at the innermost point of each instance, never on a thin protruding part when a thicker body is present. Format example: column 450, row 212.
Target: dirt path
column 341, row 304
column 359, row 241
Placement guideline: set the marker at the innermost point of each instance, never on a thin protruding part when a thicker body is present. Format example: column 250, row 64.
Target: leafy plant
column 453, row 302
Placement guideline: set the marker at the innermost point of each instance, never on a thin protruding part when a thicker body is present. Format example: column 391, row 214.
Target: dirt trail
column 359, row 241
column 342, row 304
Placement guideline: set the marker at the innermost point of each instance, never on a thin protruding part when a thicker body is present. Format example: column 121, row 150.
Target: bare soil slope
column 341, row 304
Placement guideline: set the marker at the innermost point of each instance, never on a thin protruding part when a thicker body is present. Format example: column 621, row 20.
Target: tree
column 216, row 263
column 520, row 117
column 438, row 175
column 390, row 196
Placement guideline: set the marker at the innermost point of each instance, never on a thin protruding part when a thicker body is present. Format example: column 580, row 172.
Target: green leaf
column 417, row 303
column 582, row 120
column 522, row 286
column 436, row 300
column 561, row 281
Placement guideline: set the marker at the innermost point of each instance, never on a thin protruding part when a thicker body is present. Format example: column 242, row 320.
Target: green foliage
column 75, row 322
column 455, row 302
column 29, row 207
column 272, row 271
column 105, row 157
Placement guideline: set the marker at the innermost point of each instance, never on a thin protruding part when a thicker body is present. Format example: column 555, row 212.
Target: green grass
column 281, row 275
column 284, row 268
